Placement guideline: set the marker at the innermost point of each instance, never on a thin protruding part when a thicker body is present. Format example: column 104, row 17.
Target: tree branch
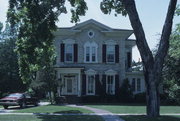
column 141, row 42
column 164, row 41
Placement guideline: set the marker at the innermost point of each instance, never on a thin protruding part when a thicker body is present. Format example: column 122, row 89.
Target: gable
column 91, row 23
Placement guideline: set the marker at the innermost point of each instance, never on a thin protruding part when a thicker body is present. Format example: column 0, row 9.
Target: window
column 110, row 53
column 90, row 84
column 90, row 52
column 93, row 54
column 69, row 85
column 87, row 54
column 138, row 84
column 110, row 87
column 69, row 52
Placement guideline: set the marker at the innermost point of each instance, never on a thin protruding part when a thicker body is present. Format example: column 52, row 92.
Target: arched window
column 90, row 52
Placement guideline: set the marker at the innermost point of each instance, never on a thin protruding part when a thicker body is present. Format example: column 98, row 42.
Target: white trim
column 90, row 45
column 110, row 72
column 68, row 41
column 113, row 84
column 92, row 33
column 110, row 42
column 90, row 72
column 72, row 53
column 93, row 85
column 113, row 53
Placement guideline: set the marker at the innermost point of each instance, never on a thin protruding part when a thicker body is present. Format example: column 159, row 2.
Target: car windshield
column 14, row 95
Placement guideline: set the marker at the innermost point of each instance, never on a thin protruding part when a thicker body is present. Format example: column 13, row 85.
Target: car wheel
column 5, row 106
column 23, row 105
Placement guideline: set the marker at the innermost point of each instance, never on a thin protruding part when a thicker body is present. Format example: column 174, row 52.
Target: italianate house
column 94, row 60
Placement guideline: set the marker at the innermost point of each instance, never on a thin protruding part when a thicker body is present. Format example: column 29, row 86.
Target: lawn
column 48, row 118
column 53, row 109
column 145, row 118
column 135, row 109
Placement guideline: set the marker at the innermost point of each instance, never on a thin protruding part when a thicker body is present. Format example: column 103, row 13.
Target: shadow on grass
column 145, row 118
column 116, row 104
column 69, row 118
column 69, row 112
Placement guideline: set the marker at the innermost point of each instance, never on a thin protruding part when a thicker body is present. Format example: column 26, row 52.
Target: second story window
column 90, row 52
column 69, row 53
column 110, row 53
column 87, row 54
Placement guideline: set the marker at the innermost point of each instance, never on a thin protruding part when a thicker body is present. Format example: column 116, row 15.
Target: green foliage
column 108, row 5
column 10, row 80
column 171, row 68
column 35, row 21
column 125, row 92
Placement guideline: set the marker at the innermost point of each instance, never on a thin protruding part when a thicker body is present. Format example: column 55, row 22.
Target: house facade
column 94, row 59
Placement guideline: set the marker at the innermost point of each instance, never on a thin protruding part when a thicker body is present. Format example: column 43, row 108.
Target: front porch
column 69, row 83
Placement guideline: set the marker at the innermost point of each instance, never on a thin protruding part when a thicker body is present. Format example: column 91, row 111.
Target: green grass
column 145, row 118
column 135, row 108
column 48, row 118
column 53, row 109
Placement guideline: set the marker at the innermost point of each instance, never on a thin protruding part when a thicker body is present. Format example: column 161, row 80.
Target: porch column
column 79, row 84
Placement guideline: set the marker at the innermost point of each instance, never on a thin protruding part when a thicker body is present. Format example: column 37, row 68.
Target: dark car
column 18, row 99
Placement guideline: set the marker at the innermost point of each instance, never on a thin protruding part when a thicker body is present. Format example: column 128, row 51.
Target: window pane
column 138, row 84
column 110, row 53
column 69, row 52
column 90, row 85
column 110, row 88
column 93, row 54
column 87, row 54
column 69, row 85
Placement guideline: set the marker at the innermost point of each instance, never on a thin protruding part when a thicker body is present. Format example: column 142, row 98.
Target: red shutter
column 83, row 84
column 97, row 85
column 75, row 52
column 104, row 84
column 62, row 50
column 103, row 53
column 117, row 53
column 129, row 59
column 117, row 86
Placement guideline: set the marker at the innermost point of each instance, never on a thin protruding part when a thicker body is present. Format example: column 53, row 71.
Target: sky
column 152, row 14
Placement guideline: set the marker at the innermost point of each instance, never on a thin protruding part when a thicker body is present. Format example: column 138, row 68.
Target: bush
column 140, row 97
column 125, row 93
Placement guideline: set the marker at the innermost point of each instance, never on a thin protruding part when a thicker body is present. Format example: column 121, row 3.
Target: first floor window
column 110, row 85
column 69, row 52
column 110, row 53
column 136, row 84
column 90, row 85
column 69, row 85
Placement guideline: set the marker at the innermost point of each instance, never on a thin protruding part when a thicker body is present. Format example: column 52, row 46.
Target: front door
column 71, row 85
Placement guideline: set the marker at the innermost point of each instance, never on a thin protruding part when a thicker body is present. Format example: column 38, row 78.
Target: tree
column 10, row 80
column 35, row 20
column 171, row 70
column 152, row 65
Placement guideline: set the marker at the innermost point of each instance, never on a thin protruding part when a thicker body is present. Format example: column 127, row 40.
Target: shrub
column 125, row 93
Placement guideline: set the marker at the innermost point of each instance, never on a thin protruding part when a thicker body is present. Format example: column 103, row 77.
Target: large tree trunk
column 152, row 95
column 152, row 66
